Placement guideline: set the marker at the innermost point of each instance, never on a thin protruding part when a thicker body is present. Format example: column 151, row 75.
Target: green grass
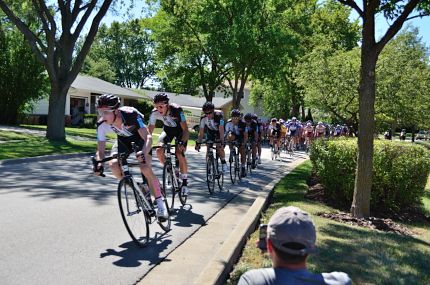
column 18, row 145
column 369, row 257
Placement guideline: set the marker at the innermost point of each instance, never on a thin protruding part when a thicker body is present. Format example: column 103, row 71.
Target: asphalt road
column 61, row 225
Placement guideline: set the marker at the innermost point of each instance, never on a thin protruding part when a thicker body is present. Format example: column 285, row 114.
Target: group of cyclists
column 241, row 130
column 294, row 134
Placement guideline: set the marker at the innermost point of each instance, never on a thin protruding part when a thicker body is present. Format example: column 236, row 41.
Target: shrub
column 400, row 171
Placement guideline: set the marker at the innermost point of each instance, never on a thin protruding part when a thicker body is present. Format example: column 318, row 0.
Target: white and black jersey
column 175, row 115
column 214, row 123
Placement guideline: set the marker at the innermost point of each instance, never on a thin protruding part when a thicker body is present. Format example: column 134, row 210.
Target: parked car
column 422, row 135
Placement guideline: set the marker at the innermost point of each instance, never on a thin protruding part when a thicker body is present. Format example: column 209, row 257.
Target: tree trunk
column 56, row 115
column 363, row 176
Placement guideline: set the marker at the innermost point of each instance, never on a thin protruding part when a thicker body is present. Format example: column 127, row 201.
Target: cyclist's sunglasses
column 208, row 113
column 105, row 112
column 235, row 118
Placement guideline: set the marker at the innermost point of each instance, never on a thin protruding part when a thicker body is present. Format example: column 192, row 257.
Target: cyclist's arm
column 185, row 132
column 101, row 148
column 151, row 128
column 221, row 133
column 147, row 138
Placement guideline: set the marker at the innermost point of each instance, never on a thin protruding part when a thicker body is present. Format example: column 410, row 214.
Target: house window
column 93, row 102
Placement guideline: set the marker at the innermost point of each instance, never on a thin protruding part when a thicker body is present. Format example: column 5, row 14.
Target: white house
column 82, row 95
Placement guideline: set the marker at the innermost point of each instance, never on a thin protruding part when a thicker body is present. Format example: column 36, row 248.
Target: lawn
column 369, row 257
column 18, row 145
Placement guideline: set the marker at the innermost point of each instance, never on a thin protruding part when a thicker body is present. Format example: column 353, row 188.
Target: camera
column 262, row 243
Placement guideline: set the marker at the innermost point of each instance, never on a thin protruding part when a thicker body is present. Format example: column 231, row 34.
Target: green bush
column 400, row 171
column 90, row 121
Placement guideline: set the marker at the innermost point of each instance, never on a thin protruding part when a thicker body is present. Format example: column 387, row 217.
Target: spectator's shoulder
column 337, row 278
column 261, row 276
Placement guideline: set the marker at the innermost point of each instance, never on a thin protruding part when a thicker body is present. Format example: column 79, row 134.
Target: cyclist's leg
column 242, row 155
column 162, row 139
column 113, row 164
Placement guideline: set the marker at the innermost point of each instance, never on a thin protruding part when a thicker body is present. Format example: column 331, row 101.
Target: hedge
column 400, row 171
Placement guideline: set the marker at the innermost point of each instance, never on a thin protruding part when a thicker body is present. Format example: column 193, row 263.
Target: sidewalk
column 208, row 256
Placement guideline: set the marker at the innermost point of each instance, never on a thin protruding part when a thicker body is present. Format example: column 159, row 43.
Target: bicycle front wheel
column 220, row 175
column 168, row 189
column 232, row 168
column 210, row 174
column 135, row 219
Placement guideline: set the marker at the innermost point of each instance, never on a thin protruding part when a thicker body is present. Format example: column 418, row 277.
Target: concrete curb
column 222, row 263
column 44, row 158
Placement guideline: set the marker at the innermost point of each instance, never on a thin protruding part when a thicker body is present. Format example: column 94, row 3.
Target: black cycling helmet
column 161, row 97
column 235, row 113
column 208, row 106
column 248, row 117
column 254, row 117
column 108, row 101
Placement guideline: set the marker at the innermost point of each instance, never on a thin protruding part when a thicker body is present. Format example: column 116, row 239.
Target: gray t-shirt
column 283, row 276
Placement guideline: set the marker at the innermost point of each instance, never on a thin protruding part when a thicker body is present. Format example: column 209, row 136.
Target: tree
column 187, row 53
column 128, row 48
column 397, row 12
column 329, row 80
column 22, row 76
column 54, row 45
column 319, row 26
column 403, row 72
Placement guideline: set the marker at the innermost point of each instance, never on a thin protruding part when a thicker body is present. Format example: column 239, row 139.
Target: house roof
column 191, row 101
column 96, row 85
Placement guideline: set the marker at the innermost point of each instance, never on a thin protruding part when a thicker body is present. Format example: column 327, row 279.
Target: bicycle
column 135, row 205
column 234, row 163
column 248, row 153
column 170, row 178
column 212, row 168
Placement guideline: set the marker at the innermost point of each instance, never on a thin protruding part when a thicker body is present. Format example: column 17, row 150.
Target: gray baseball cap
column 292, row 225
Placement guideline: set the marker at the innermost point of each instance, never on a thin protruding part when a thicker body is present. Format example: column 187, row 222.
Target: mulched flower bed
column 384, row 221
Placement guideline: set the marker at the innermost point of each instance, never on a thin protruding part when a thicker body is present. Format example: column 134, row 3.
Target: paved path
column 61, row 225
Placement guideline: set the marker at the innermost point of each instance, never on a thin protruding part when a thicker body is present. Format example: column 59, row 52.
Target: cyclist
column 345, row 130
column 294, row 129
column 174, row 127
column 320, row 130
column 308, row 132
column 213, row 122
column 127, row 123
column 252, row 127
column 283, row 133
column 259, row 136
column 235, row 130
column 274, row 133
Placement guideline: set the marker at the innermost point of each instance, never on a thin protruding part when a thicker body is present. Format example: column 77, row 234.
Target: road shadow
column 132, row 255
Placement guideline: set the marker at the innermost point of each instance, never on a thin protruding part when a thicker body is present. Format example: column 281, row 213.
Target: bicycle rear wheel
column 168, row 189
column 135, row 218
column 210, row 174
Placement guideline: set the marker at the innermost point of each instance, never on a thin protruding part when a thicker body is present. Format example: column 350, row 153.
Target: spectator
column 290, row 238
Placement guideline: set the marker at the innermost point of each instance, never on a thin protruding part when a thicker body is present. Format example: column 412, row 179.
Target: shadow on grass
column 372, row 257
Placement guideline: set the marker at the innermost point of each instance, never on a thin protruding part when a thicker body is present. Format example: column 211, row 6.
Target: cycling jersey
column 171, row 122
column 275, row 130
column 238, row 129
column 132, row 121
column 252, row 129
column 320, row 130
column 214, row 123
column 308, row 130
